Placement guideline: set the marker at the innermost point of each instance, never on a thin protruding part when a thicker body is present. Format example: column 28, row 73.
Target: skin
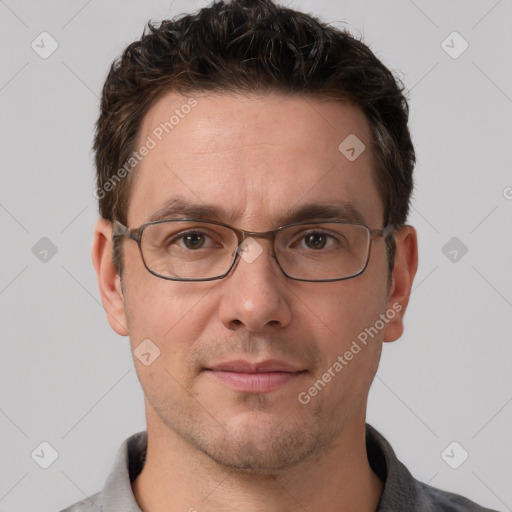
column 211, row 447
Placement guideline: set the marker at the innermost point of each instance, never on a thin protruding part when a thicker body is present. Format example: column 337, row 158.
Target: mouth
column 262, row 377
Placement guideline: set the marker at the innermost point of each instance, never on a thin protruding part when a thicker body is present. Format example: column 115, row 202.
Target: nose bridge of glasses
column 243, row 236
column 249, row 249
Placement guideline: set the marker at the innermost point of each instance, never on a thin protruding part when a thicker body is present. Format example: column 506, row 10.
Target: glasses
column 200, row 250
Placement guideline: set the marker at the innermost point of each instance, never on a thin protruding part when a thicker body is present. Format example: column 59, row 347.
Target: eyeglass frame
column 242, row 234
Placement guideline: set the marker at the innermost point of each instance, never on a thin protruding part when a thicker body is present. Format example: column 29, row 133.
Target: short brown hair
column 247, row 46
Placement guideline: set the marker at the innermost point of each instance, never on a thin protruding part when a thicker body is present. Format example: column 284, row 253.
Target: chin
column 256, row 445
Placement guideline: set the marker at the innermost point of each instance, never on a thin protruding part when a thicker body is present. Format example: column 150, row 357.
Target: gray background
column 67, row 379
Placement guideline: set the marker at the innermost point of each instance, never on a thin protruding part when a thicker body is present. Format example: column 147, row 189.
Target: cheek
column 349, row 307
column 172, row 322
column 169, row 313
column 351, row 350
column 352, row 335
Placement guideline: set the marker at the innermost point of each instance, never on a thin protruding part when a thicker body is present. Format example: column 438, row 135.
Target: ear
column 109, row 281
column 406, row 264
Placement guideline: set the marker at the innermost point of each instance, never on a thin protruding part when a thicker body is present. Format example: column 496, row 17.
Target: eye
column 193, row 240
column 316, row 240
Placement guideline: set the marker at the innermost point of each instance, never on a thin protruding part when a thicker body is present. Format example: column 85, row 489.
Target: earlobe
column 406, row 264
column 109, row 281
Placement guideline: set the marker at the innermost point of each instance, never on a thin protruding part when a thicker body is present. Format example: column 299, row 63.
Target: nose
column 255, row 295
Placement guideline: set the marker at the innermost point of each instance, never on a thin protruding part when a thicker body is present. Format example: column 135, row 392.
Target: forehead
column 259, row 157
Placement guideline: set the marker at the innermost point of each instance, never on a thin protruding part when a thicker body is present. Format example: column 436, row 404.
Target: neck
column 177, row 477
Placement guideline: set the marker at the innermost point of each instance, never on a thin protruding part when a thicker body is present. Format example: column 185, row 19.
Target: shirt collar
column 401, row 490
column 117, row 493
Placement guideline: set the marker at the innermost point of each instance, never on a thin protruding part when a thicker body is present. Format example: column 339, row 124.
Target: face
column 256, row 161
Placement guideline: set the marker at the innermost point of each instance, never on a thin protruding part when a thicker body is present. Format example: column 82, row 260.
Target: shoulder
column 402, row 492
column 90, row 504
column 444, row 501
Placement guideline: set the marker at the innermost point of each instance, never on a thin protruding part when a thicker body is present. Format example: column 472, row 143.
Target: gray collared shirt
column 402, row 492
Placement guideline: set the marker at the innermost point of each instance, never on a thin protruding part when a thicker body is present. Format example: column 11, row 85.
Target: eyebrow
column 178, row 207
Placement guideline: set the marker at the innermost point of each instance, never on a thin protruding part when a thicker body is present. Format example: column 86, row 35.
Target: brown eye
column 193, row 240
column 315, row 240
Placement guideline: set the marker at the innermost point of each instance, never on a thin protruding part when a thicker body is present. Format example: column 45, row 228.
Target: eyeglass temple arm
column 387, row 230
column 119, row 229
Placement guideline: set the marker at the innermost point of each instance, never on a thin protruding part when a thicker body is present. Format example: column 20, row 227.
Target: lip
column 255, row 377
column 244, row 366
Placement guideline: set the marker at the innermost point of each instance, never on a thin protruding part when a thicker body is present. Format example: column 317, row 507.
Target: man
column 254, row 176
